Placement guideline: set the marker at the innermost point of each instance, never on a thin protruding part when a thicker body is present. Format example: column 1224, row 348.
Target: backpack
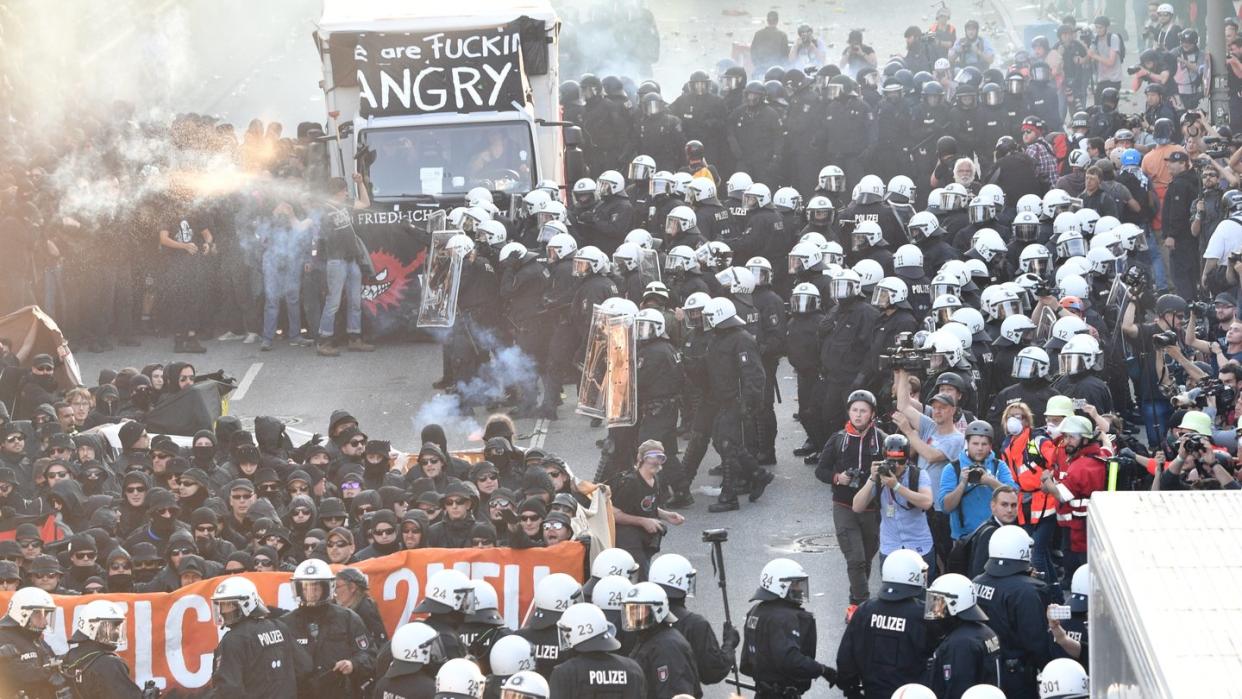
column 1121, row 45
column 1060, row 146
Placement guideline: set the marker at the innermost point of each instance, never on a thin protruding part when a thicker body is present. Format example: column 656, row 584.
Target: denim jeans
column 1044, row 534
column 282, row 281
column 344, row 277
column 1155, row 248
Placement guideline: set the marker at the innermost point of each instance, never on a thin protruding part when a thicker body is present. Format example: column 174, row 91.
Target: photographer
column 942, row 31
column 904, row 494
column 1197, row 460
column 1105, row 55
column 1156, row 69
column 1075, row 67
column 808, row 50
column 856, row 55
column 1191, row 72
column 972, row 49
column 1157, row 348
column 921, row 50
column 966, row 486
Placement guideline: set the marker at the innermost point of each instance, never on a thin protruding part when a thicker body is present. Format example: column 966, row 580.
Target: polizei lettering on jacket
column 888, row 623
column 608, row 677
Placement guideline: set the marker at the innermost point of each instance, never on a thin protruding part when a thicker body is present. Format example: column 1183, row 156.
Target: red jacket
column 1086, row 473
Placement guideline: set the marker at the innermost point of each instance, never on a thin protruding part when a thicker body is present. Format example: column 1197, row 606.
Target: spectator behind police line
column 966, row 485
column 770, row 45
column 971, row 49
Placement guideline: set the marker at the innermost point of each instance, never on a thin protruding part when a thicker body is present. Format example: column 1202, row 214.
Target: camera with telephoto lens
column 1197, row 397
column 1133, row 70
column 1218, row 147
column 1043, row 288
column 905, row 355
column 1196, row 443
column 711, row 536
column 1136, row 280
column 1202, row 309
column 1168, row 338
column 857, row 477
column 1086, row 36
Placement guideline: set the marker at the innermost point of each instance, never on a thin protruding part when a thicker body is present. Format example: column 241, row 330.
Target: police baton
column 717, row 537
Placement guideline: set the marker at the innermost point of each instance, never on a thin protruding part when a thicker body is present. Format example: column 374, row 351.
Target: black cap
column 1225, row 298
column 1178, row 156
column 353, row 575
column 42, row 360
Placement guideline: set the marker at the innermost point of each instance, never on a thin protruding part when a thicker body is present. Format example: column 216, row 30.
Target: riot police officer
column 713, row 221
column 417, row 654
column 869, row 205
column 735, row 386
column 994, row 123
column 661, row 651
column 894, row 121
column 847, row 331
column 449, row 594
column 1071, row 635
column 849, row 129
column 478, row 304
column 659, row 132
column 510, row 656
column 92, row 663
column 771, row 310
column 28, row 669
column 754, row 134
column 702, row 115
column 931, row 121
column 591, row 266
column 678, row 577
column 1015, row 602
column 558, row 305
column 660, row 380
column 778, row 643
column 335, row 637
column 554, row 595
column 969, row 652
column 885, row 643
column 594, row 670
column 964, row 119
column 613, row 216
column 256, row 658
column 459, row 678
column 524, row 283
column 611, row 132
column 1064, row 679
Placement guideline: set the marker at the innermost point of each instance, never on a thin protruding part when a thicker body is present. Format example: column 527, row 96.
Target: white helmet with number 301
column 526, row 684
column 1064, row 678
column 460, row 679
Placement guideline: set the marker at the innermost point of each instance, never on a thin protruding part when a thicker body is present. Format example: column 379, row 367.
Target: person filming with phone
column 967, row 483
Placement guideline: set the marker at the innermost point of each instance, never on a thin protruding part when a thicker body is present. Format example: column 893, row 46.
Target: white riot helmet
column 1101, row 261
column 585, row 192
column 1056, row 201
column 418, row 644
column 1025, row 227
column 814, row 237
column 913, row 691
column 1070, row 243
column 561, row 246
column 714, row 255
column 460, row 679
column 946, row 350
column 1035, row 259
column 618, row 306
column 1080, row 354
column 986, row 205
column 908, row 257
column 923, row 225
column 1030, row 203
column 1074, row 265
column 680, row 220
column 820, row 210
column 959, row 331
column 901, row 186
column 552, row 211
column 987, row 244
column 845, row 284
column 1009, row 551
column 103, row 621
column 1065, row 221
column 1073, row 285
column 661, row 183
column 314, row 583
column 590, row 260
column 870, row 190
column 512, row 252
column 583, row 627
column 953, row 197
column 552, row 229
column 236, row 591
column 554, row 594
column 681, row 183
column 534, row 201
column 1131, row 234
column 1080, row 589
column 1003, row 303
column 641, row 238
column 460, row 245
column 609, row 592
column 1031, row 363
column 448, row 591
column 486, row 605
column 1088, row 219
column 718, row 312
column 832, row 179
column 890, row 291
column 682, row 259
column 472, row 216
column 610, row 182
column 866, row 234
column 833, row 253
column 869, row 271
column 645, row 606
column 479, row 196
column 1078, row 158
column 700, row 189
column 757, row 196
column 526, row 684
column 945, row 284
column 675, row 574
column 971, row 318
column 1068, row 327
column 785, row 579
column 952, row 595
column 694, row 308
column 805, row 298
column 737, row 184
column 641, row 167
column 983, row 691
column 738, row 280
column 1064, row 678
column 491, row 232
column 761, row 270
column 625, row 257
column 903, row 575
column 1104, row 224
column 509, row 655
column 787, row 198
column 804, row 256
column 977, row 269
column 649, row 324
column 551, row 187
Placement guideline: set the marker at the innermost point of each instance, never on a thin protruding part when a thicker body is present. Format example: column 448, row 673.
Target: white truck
column 1165, row 614
column 430, row 100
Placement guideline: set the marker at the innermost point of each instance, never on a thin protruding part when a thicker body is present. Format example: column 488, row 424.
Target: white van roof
column 406, row 16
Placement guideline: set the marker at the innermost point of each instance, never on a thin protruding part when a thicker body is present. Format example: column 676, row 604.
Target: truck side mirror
column 573, row 136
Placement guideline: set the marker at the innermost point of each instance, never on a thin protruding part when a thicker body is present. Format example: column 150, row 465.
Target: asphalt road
column 267, row 69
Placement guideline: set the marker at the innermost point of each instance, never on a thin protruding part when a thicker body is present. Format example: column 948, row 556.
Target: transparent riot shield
column 438, row 306
column 1119, row 298
column 649, row 266
column 608, row 389
column 592, row 387
column 437, row 221
column 1043, row 324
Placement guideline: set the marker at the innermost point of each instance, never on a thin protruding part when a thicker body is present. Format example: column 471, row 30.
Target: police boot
column 681, row 497
column 727, row 502
column 604, row 469
column 758, row 483
column 806, row 449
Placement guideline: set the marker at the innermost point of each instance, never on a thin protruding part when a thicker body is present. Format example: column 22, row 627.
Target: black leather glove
column 729, row 637
column 830, row 674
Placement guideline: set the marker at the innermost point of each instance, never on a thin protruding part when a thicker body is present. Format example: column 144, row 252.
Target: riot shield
column 649, row 266
column 1043, row 324
column 608, row 389
column 437, row 221
column 438, row 306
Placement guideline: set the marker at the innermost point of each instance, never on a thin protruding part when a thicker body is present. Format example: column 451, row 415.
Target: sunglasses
column 424, row 462
column 337, row 544
column 456, row 502
column 299, row 489
column 411, row 530
column 357, row 442
column 181, row 552
column 44, row 576
column 429, row 509
column 31, row 544
column 136, row 489
column 241, row 496
column 351, row 485
column 365, row 509
column 56, row 475
column 166, row 511
column 301, row 511
column 487, row 477
column 84, row 556
column 264, row 562
column 383, row 532
column 554, row 525
column 14, row 439
column 310, row 546
column 119, row 566
column 531, row 518
column 160, row 455
column 499, row 503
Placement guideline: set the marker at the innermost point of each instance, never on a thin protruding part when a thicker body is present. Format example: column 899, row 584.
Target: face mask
column 204, row 453
column 1013, row 425
column 1054, row 431
column 120, row 581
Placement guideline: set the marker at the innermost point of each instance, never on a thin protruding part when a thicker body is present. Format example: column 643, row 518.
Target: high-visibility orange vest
column 1034, row 504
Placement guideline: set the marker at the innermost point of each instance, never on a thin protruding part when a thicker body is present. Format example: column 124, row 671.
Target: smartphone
column 1080, row 403
column 1058, row 612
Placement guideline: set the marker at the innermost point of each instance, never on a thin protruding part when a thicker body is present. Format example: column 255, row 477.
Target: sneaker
column 251, row 338
column 849, row 612
column 356, row 344
column 266, row 346
column 301, row 342
column 326, row 350
column 229, row 337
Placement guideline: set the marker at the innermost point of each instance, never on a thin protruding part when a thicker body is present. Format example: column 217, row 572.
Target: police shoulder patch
column 743, row 357
column 662, row 673
column 362, row 642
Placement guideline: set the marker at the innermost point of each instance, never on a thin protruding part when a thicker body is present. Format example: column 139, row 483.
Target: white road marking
column 539, row 434
column 247, row 379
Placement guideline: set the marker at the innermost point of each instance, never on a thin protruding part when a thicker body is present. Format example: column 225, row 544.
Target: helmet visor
column 832, row 183
column 673, row 226
column 517, row 694
column 694, row 318
column 797, row 264
column 700, row 87
column 1072, row 364
column 647, row 330
column 843, row 288
column 659, row 186
column 584, row 199
column 763, row 275
column 750, row 201
column 978, row 213
column 804, row 303
column 312, row 593
column 881, row 297
column 944, row 315
column 833, row 90
column 936, row 606
column 859, row 241
column 1028, row 368
column 799, row 590
column 1026, row 231
column 822, row 215
column 1007, row 308
column 546, row 233
column 582, row 267
column 111, row 632
column 1073, row 247
column 941, row 289
column 639, row 171
column 992, row 98
column 226, row 611
column 636, row 616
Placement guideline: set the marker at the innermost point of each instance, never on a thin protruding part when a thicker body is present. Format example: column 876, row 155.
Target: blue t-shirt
column 902, row 525
column 951, row 443
column 976, row 503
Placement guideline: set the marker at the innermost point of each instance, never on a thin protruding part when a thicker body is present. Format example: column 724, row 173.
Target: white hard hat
column 609, row 592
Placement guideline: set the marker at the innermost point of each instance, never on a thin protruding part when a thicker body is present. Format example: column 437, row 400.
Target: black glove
column 729, row 638
column 830, row 674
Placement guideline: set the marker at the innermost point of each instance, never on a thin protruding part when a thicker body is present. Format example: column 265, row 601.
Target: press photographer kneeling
column 1198, row 463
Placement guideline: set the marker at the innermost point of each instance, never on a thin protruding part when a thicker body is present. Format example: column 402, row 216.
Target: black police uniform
column 667, row 662
column 545, row 643
column 477, row 309
column 612, row 133
column 255, row 660
column 661, row 137
column 771, row 310
column 736, row 379
column 968, row 655
column 892, row 153
column 406, row 680
column 1088, row 387
column 702, row 119
column 331, row 633
column 660, row 382
column 754, row 137
column 850, row 132
column 848, row 330
column 369, row 613
column 993, row 123
column 713, row 660
column 97, row 672
column 778, row 649
column 881, row 213
column 592, row 291
column 598, row 675
column 885, row 645
column 802, row 348
column 612, row 218
column 1015, row 603
column 930, row 123
column 964, row 127
column 714, row 222
column 558, row 305
column 804, row 139
column 523, row 286
column 1041, row 100
column 26, row 670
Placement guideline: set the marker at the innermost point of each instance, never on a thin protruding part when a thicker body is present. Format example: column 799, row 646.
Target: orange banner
column 171, row 636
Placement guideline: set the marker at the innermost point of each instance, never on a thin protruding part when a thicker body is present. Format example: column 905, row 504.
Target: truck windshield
column 445, row 160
